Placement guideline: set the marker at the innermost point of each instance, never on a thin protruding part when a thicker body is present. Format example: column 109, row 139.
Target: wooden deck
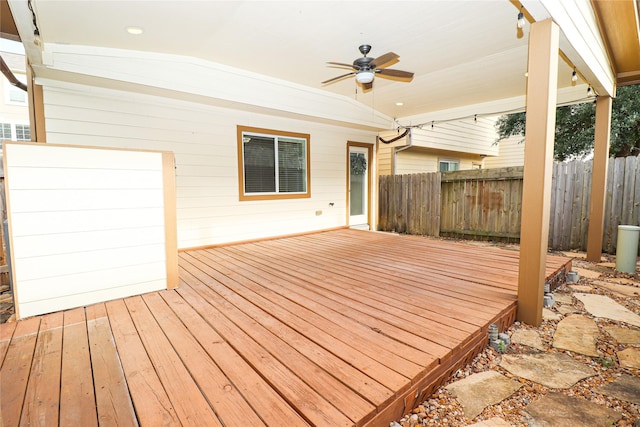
column 333, row 329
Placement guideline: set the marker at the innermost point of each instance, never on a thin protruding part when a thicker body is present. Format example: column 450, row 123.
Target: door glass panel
column 358, row 183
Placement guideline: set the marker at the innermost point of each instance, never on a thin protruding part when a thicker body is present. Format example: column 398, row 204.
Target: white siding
column 204, row 141
column 416, row 160
column 473, row 136
column 511, row 153
column 462, row 140
column 86, row 225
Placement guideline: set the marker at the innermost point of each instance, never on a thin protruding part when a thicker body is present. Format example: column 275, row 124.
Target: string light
column 36, row 32
column 574, row 76
column 521, row 20
column 590, row 95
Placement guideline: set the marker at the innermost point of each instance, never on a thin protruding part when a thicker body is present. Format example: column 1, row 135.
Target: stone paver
column 623, row 281
column 563, row 298
column 578, row 334
column 566, row 309
column 626, row 388
column 629, row 358
column 553, row 370
column 581, row 288
column 622, row 290
column 558, row 410
column 623, row 335
column 478, row 391
column 590, row 274
column 606, row 264
column 492, row 422
column 581, row 255
column 550, row 315
column 602, row 306
column 528, row 337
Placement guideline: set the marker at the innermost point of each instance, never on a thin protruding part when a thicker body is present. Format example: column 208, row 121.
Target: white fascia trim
column 581, row 40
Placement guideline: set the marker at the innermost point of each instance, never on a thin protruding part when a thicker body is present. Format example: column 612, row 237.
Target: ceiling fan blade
column 384, row 59
column 343, row 65
column 395, row 73
column 337, row 78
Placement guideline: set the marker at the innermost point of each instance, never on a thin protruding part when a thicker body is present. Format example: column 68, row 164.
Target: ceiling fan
column 366, row 68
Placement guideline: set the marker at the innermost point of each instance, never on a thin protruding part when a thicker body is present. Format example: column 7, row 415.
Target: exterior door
column 359, row 178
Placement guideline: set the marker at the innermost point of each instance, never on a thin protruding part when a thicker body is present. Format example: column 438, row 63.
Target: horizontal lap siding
column 87, row 225
column 511, row 153
column 470, row 135
column 203, row 139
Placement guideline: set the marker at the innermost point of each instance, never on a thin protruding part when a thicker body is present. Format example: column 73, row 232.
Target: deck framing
column 342, row 328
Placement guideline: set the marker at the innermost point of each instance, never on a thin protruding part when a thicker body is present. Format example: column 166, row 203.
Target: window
column 23, row 133
column 449, row 165
column 272, row 164
column 15, row 95
column 5, row 131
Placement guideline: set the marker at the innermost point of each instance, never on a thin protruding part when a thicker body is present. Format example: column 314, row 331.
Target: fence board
column 487, row 203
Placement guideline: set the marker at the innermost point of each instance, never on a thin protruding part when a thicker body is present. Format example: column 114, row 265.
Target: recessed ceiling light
column 399, row 104
column 136, row 31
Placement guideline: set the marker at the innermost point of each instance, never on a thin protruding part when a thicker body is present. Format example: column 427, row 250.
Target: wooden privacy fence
column 410, row 203
column 486, row 204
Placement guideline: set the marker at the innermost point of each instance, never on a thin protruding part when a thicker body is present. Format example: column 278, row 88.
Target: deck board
column 43, row 390
column 16, row 369
column 77, row 397
column 341, row 328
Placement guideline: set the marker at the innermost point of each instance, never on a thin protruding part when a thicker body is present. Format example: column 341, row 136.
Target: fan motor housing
column 362, row 63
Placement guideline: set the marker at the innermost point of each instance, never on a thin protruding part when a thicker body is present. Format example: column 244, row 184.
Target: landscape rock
column 578, row 334
column 580, row 255
column 581, row 288
column 528, row 337
column 559, row 410
column 603, row 306
column 626, row 388
column 492, row 422
column 623, row 281
column 622, row 290
column 606, row 264
column 550, row 315
column 590, row 274
column 566, row 309
column 623, row 335
column 563, row 298
column 629, row 358
column 478, row 391
column 553, row 370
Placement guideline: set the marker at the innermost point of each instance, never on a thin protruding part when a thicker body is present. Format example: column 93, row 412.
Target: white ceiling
column 462, row 52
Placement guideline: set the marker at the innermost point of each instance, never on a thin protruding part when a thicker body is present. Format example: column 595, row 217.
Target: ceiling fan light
column 365, row 76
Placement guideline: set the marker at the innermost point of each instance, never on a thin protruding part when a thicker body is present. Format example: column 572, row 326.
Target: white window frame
column 9, row 88
column 11, row 133
column 448, row 162
column 15, row 132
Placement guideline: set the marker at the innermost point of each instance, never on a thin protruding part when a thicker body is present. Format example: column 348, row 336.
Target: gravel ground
column 442, row 409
